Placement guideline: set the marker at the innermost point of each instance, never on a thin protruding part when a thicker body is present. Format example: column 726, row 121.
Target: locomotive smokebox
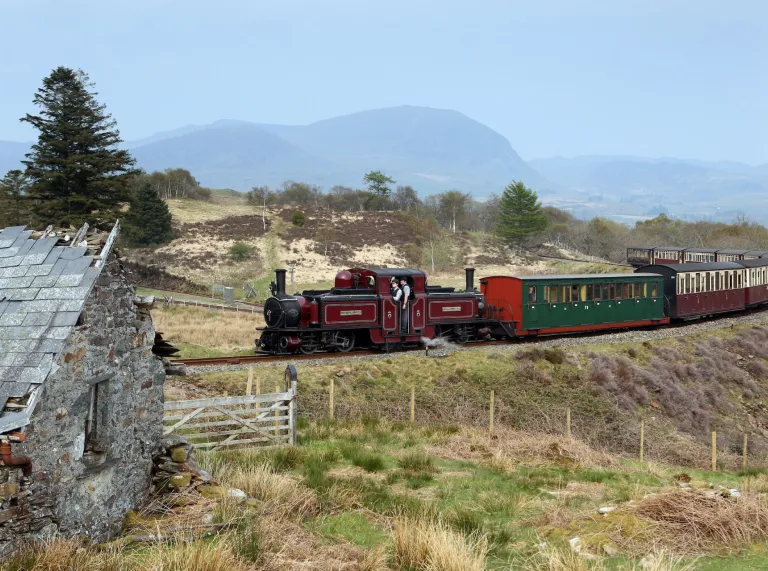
column 470, row 278
column 280, row 282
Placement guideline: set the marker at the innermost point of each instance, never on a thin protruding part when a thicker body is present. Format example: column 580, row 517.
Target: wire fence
column 648, row 437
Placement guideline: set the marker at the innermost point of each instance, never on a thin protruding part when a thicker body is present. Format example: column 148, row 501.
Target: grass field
column 374, row 495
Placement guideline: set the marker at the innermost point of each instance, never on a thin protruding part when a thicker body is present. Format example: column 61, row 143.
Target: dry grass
column 222, row 330
column 692, row 522
column 284, row 494
column 510, row 448
column 553, row 559
column 433, row 546
column 188, row 211
column 65, row 555
column 757, row 484
column 197, row 556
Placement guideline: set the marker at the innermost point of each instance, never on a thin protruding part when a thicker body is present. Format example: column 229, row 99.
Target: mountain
column 430, row 149
column 683, row 187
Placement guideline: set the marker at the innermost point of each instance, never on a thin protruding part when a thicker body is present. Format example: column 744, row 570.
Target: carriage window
column 554, row 291
column 619, row 290
column 590, row 292
column 583, row 292
column 598, row 290
column 654, row 290
column 707, row 288
column 546, row 294
column 740, row 280
column 532, row 294
column 575, row 293
column 638, row 290
column 698, row 283
column 605, row 291
column 611, row 291
column 717, row 281
column 645, row 290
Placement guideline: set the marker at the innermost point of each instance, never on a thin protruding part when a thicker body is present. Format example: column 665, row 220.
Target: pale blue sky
column 684, row 78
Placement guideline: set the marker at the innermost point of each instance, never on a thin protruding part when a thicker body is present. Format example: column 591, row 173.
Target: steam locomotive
column 359, row 311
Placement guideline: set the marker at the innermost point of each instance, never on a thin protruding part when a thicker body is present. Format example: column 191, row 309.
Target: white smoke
column 439, row 343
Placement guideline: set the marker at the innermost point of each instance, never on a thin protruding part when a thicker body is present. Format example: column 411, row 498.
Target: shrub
column 239, row 251
column 298, row 218
column 555, row 356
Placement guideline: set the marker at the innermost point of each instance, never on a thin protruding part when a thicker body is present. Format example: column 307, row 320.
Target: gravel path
column 442, row 349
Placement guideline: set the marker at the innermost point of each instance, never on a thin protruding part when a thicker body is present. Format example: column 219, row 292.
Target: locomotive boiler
column 359, row 311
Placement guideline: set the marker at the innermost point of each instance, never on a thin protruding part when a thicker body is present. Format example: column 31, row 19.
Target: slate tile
column 24, row 247
column 22, row 375
column 56, row 333
column 39, row 270
column 34, row 259
column 44, row 245
column 8, row 235
column 18, row 390
column 8, row 252
column 12, row 319
column 50, row 305
column 89, row 278
column 8, row 359
column 12, row 261
column 22, row 240
column 9, row 283
column 20, row 294
column 63, row 293
column 3, row 305
column 54, row 254
column 37, row 318
column 78, row 266
column 29, row 359
column 12, row 307
column 31, row 345
column 65, row 318
column 72, row 253
column 22, row 332
column 13, row 272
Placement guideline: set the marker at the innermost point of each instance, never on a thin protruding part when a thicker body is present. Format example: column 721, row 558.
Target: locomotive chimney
column 280, row 282
column 470, row 278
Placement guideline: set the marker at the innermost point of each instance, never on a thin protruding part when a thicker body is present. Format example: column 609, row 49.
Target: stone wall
column 83, row 482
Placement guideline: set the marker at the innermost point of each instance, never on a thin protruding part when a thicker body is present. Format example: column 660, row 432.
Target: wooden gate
column 253, row 420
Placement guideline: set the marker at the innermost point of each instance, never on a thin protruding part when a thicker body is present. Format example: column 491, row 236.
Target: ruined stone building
column 81, row 393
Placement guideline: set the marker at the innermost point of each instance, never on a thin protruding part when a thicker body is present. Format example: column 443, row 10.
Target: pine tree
column 520, row 214
column 76, row 171
column 148, row 222
column 13, row 207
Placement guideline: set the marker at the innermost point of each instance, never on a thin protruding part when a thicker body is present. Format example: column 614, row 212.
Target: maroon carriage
column 700, row 288
column 638, row 256
column 360, row 311
column 755, row 281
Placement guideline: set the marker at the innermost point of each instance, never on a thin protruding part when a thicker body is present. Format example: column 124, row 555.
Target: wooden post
column 330, row 406
column 568, row 422
column 413, row 404
column 249, row 386
column 642, row 439
column 277, row 413
column 258, row 385
column 292, row 411
column 744, row 453
column 714, row 451
column 490, row 414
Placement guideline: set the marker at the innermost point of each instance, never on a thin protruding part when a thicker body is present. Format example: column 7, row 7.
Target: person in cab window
column 395, row 290
column 406, row 290
column 531, row 294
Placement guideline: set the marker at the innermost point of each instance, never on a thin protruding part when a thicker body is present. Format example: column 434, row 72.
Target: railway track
column 265, row 358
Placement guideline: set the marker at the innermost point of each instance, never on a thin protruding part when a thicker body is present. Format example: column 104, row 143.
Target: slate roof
column 43, row 288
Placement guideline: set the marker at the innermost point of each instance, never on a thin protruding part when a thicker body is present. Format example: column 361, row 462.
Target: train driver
column 404, row 307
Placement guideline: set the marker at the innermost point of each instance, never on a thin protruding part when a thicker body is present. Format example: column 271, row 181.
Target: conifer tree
column 520, row 214
column 76, row 171
column 13, row 207
column 148, row 222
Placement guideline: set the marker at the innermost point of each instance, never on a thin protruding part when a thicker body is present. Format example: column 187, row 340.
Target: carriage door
column 418, row 317
column 390, row 317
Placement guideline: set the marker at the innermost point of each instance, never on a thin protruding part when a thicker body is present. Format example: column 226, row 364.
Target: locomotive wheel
column 308, row 347
column 344, row 341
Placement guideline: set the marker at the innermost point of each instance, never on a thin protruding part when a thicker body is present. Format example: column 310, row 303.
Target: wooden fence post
column 642, row 439
column 292, row 409
column 568, row 422
column 277, row 413
column 249, row 386
column 744, row 454
column 490, row 414
column 258, row 385
column 714, row 451
column 330, row 406
column 413, row 404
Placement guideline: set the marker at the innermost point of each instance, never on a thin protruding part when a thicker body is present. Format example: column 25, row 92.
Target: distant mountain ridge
column 435, row 150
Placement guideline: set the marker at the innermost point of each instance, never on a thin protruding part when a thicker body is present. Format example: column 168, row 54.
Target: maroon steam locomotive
column 360, row 311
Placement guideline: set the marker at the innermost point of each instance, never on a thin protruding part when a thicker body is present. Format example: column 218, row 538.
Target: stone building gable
column 94, row 422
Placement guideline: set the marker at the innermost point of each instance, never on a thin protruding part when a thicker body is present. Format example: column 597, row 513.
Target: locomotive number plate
column 452, row 308
column 351, row 312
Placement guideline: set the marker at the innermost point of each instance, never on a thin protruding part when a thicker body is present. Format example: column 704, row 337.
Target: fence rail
column 253, row 419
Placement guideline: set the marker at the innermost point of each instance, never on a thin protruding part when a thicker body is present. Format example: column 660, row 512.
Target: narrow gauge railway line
column 631, row 332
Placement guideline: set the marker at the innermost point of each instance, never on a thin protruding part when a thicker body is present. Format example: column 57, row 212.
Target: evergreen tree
column 76, row 171
column 13, row 207
column 148, row 222
column 520, row 214
column 378, row 183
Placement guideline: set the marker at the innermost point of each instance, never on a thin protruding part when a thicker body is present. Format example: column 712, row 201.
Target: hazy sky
column 684, row 78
